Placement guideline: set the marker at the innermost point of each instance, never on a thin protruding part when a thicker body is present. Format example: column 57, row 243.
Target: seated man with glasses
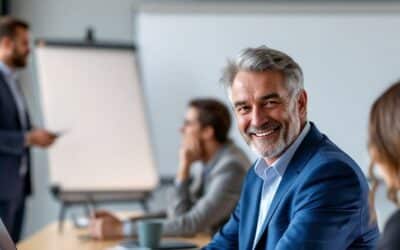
column 204, row 202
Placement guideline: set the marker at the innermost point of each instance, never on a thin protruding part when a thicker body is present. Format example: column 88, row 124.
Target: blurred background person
column 384, row 149
column 16, row 133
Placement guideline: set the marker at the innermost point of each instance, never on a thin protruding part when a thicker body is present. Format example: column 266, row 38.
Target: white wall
column 175, row 76
column 347, row 59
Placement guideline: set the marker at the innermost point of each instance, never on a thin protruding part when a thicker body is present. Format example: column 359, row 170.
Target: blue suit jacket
column 11, row 147
column 321, row 203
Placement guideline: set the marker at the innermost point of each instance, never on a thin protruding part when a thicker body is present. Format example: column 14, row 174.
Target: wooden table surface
column 77, row 239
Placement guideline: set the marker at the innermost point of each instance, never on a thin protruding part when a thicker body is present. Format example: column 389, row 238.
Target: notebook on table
column 166, row 244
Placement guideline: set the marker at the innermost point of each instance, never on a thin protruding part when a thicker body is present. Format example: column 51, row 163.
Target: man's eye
column 243, row 109
column 271, row 103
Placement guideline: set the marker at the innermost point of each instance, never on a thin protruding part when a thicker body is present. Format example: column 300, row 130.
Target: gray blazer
column 206, row 203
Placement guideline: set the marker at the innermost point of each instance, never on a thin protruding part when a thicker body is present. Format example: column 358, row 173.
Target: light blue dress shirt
column 11, row 79
column 272, row 176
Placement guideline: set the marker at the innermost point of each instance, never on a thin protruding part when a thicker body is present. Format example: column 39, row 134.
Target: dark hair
column 215, row 114
column 9, row 26
column 384, row 139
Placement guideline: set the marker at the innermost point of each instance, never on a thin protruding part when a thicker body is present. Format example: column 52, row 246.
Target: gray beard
column 272, row 153
column 280, row 147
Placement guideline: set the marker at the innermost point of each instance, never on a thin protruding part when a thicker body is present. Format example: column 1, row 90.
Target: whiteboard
column 93, row 96
column 347, row 58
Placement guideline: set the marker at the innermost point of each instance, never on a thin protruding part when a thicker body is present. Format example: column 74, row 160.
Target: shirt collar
column 279, row 166
column 7, row 71
column 210, row 164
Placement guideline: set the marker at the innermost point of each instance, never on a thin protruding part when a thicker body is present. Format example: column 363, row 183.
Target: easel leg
column 61, row 216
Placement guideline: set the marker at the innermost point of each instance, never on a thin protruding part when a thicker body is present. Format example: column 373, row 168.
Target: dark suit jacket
column 321, row 203
column 12, row 147
column 391, row 235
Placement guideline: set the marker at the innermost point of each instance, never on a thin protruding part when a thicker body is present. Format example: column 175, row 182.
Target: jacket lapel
column 299, row 160
column 251, row 202
column 11, row 96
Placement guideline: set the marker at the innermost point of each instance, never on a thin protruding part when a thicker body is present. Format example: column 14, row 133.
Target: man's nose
column 258, row 117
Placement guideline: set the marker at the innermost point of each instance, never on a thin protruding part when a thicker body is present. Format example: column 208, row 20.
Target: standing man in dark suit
column 16, row 133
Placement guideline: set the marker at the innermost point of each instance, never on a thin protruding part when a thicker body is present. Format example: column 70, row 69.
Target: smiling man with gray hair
column 303, row 192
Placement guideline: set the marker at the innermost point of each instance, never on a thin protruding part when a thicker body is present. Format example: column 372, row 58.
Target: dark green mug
column 149, row 232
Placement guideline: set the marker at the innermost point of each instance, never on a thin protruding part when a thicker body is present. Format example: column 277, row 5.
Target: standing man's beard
column 18, row 60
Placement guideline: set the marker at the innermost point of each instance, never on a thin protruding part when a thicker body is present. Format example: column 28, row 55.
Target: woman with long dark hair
column 384, row 149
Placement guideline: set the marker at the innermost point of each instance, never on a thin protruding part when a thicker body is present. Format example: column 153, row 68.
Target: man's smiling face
column 269, row 117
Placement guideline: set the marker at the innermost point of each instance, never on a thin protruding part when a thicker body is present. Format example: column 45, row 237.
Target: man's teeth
column 266, row 133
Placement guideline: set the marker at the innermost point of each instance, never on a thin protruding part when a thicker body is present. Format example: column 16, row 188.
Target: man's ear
column 302, row 100
column 207, row 133
column 6, row 43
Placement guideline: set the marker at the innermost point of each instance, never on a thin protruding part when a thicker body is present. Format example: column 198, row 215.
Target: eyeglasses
column 187, row 123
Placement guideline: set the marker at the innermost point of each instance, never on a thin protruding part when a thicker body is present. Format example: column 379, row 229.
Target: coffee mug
column 149, row 232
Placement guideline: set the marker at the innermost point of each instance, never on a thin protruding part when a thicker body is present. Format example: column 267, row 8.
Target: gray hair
column 264, row 59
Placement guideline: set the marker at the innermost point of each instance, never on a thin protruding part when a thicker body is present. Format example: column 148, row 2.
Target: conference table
column 71, row 238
